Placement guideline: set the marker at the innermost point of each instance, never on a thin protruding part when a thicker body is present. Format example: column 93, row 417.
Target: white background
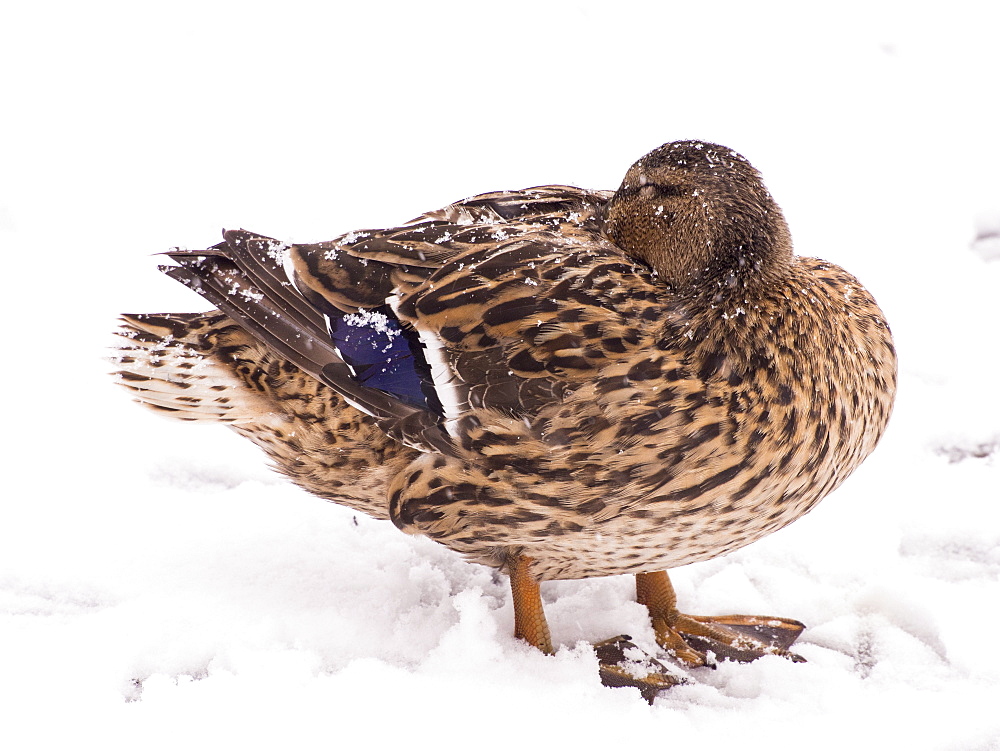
column 160, row 588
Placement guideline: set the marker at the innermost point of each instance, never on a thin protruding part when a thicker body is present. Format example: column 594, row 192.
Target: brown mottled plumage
column 615, row 382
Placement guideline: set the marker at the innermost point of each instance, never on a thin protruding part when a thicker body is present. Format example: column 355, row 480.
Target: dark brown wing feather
column 362, row 269
column 496, row 287
column 246, row 278
column 520, row 323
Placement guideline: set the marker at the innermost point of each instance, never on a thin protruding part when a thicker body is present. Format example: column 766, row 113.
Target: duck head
column 699, row 215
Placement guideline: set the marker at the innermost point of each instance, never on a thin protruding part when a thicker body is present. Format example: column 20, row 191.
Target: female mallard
column 557, row 382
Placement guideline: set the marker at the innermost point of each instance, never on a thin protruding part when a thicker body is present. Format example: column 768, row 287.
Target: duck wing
column 244, row 277
column 329, row 307
column 364, row 268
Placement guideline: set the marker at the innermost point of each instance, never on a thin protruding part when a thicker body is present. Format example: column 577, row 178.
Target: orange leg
column 737, row 637
column 655, row 591
column 529, row 618
column 686, row 637
column 617, row 657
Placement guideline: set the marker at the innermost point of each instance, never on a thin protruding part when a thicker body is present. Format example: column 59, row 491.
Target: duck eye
column 655, row 190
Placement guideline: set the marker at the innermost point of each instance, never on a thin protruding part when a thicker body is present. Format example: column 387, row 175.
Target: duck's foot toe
column 622, row 663
column 695, row 641
column 741, row 638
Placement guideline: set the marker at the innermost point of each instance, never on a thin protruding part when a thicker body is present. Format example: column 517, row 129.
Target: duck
column 554, row 382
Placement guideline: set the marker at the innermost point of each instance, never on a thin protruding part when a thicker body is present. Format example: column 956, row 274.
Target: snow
column 161, row 588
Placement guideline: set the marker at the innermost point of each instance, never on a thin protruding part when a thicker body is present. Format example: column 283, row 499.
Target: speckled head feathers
column 700, row 216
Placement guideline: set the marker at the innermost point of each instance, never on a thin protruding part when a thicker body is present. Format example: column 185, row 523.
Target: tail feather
column 163, row 363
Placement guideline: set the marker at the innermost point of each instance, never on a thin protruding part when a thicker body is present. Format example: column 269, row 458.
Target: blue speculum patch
column 385, row 356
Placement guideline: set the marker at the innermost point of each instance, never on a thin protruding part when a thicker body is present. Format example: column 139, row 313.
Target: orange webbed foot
column 695, row 640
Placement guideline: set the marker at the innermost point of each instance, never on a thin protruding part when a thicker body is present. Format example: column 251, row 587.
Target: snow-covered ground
column 160, row 588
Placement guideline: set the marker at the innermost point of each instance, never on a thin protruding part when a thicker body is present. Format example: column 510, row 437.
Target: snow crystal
column 373, row 319
column 245, row 292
